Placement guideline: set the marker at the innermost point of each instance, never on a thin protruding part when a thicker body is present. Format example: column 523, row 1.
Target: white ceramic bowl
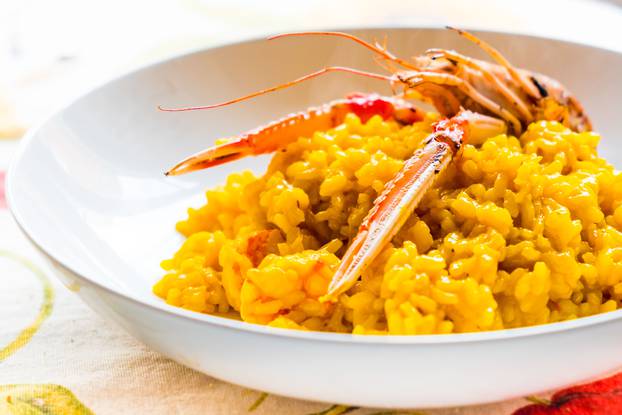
column 88, row 190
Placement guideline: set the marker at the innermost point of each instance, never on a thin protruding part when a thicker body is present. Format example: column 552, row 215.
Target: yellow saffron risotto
column 517, row 232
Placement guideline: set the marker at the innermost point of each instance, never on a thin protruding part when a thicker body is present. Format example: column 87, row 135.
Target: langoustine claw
column 402, row 194
column 279, row 134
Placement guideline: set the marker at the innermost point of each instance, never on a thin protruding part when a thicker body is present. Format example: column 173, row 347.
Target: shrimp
column 478, row 99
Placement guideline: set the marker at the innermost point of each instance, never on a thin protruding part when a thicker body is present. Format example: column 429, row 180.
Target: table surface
column 55, row 353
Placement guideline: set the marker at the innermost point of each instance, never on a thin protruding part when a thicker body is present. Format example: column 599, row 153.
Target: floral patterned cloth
column 59, row 357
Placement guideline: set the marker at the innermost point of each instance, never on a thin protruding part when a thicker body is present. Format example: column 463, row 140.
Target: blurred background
column 51, row 51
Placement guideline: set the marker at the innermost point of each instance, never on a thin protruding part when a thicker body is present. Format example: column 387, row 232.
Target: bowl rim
column 223, row 322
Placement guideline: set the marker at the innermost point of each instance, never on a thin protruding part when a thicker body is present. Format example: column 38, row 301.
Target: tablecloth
column 56, row 355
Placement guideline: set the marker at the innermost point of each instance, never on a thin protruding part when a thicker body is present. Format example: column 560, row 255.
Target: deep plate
column 88, row 190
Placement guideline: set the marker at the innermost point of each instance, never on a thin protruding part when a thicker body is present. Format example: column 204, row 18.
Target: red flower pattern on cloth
column 2, row 196
column 597, row 398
